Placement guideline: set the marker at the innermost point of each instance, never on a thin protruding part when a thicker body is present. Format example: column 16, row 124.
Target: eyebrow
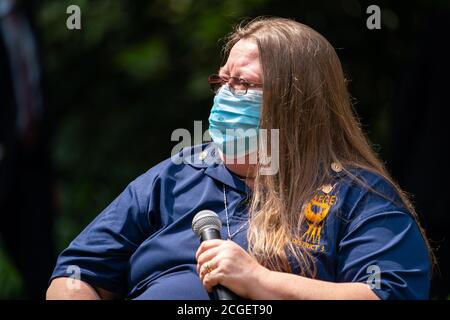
column 226, row 71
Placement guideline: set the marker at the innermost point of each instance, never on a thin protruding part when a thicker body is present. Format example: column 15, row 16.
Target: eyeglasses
column 238, row 86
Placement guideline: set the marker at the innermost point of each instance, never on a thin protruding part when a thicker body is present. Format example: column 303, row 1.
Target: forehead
column 243, row 59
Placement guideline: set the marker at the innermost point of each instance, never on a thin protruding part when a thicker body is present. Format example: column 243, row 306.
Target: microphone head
column 206, row 219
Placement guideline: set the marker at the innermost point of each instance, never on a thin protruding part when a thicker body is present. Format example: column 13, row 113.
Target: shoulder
column 365, row 181
column 176, row 169
column 363, row 193
column 188, row 158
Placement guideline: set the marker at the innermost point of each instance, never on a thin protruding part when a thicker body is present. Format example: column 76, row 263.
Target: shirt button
column 202, row 155
column 327, row 188
column 336, row 167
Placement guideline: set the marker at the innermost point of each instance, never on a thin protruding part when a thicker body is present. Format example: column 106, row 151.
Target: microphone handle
column 219, row 291
column 222, row 293
column 210, row 234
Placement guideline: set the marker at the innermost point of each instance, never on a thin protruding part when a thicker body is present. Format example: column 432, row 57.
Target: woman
column 329, row 224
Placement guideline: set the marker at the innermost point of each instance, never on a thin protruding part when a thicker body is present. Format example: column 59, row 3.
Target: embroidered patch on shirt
column 315, row 213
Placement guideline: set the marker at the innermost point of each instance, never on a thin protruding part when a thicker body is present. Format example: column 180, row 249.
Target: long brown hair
column 306, row 98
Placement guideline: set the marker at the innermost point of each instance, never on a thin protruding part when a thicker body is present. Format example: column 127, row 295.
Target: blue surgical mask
column 234, row 121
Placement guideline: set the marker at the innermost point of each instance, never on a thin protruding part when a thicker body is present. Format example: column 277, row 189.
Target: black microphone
column 206, row 225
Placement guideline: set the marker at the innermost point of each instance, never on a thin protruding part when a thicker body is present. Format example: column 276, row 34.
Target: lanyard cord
column 225, row 202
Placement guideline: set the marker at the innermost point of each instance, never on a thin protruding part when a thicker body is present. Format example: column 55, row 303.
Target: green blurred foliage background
column 117, row 88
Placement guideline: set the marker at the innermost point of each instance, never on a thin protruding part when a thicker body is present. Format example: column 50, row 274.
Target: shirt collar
column 207, row 157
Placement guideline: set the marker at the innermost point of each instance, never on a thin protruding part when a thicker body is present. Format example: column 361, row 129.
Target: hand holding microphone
column 207, row 225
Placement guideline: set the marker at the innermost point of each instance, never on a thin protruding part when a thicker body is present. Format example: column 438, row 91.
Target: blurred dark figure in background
column 25, row 186
column 420, row 135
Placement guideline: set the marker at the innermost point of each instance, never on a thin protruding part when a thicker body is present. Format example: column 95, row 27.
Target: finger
column 207, row 256
column 213, row 264
column 208, row 244
column 211, row 280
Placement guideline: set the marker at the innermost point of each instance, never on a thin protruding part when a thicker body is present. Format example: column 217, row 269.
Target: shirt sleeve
column 383, row 247
column 100, row 253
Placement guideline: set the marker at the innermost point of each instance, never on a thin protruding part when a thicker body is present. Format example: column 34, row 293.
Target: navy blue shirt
column 142, row 245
